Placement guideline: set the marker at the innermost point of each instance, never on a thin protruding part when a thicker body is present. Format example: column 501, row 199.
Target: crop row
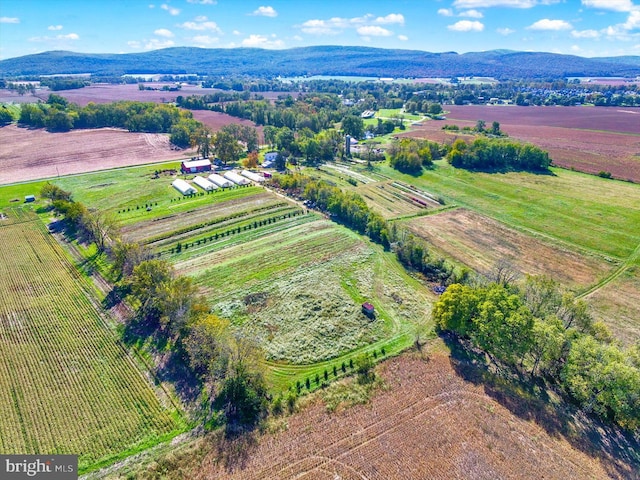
column 212, row 222
column 247, row 224
column 66, row 384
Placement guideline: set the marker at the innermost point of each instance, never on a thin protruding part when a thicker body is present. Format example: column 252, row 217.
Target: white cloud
column 320, row 27
column 471, row 14
column 547, row 24
column 265, row 12
column 404, row 38
column 445, row 12
column 236, row 32
column 585, row 34
column 173, row 11
column 262, row 41
column 205, row 40
column 505, row 31
column 203, row 2
column 297, row 38
column 151, row 5
column 155, row 44
column 615, row 5
column 391, row 18
column 163, row 32
column 9, row 20
column 54, row 27
column 134, row 44
column 575, row 48
column 501, row 3
column 335, row 25
column 69, row 36
column 633, row 21
column 373, row 31
column 466, row 26
column 201, row 24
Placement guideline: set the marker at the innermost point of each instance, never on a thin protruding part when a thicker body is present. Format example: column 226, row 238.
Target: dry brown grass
column 430, row 422
column 480, row 242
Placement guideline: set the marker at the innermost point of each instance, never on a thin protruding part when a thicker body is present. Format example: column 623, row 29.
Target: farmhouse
column 252, row 176
column 270, row 156
column 235, row 178
column 204, row 184
column 220, row 181
column 183, row 187
column 196, row 166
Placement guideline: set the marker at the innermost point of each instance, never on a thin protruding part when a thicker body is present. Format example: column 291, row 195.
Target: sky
column 588, row 28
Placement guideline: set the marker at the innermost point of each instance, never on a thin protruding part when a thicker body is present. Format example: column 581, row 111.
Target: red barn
column 196, row 166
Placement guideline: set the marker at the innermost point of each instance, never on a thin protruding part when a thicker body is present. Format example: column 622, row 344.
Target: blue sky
column 582, row 27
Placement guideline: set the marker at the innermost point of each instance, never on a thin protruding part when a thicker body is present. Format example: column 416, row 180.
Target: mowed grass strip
column 583, row 211
column 68, row 386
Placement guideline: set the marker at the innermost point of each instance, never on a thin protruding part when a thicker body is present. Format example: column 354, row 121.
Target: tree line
column 537, row 330
column 497, row 154
column 59, row 115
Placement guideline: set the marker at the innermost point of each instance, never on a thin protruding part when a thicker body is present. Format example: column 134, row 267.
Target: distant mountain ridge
column 323, row 60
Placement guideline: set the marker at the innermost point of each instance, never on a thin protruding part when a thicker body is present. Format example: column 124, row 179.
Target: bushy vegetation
column 410, row 155
column 537, row 330
column 58, row 115
column 496, row 154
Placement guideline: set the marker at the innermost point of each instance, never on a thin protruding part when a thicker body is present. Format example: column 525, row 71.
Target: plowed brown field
column 33, row 154
column 588, row 139
column 430, row 423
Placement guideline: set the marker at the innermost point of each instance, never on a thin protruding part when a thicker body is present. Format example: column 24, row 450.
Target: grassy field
column 480, row 243
column 66, row 383
column 584, row 212
column 269, row 288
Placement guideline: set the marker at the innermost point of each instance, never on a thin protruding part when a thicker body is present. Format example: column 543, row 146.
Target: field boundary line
column 633, row 258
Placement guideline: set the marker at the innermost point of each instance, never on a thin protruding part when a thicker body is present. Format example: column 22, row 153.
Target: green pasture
column 582, row 211
column 396, row 112
column 299, row 292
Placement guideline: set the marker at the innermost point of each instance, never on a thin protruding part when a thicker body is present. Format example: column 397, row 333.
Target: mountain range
column 322, row 60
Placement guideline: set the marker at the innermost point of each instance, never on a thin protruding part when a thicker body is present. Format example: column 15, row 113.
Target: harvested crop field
column 216, row 120
column 430, row 422
column 33, row 154
column 588, row 139
column 480, row 243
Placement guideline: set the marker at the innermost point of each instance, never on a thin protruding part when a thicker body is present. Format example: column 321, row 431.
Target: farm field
column 480, row 243
column 216, row 120
column 577, row 210
column 78, row 151
column 430, row 422
column 269, row 287
column 589, row 139
column 618, row 305
column 66, row 383
column 392, row 199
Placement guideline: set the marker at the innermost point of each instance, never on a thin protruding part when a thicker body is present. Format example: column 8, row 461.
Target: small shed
column 368, row 309
column 220, row 181
column 252, row 176
column 183, row 187
column 235, row 178
column 204, row 184
column 30, row 198
column 196, row 166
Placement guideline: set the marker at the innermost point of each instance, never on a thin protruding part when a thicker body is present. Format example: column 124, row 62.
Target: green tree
column 353, row 125
column 227, row 147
